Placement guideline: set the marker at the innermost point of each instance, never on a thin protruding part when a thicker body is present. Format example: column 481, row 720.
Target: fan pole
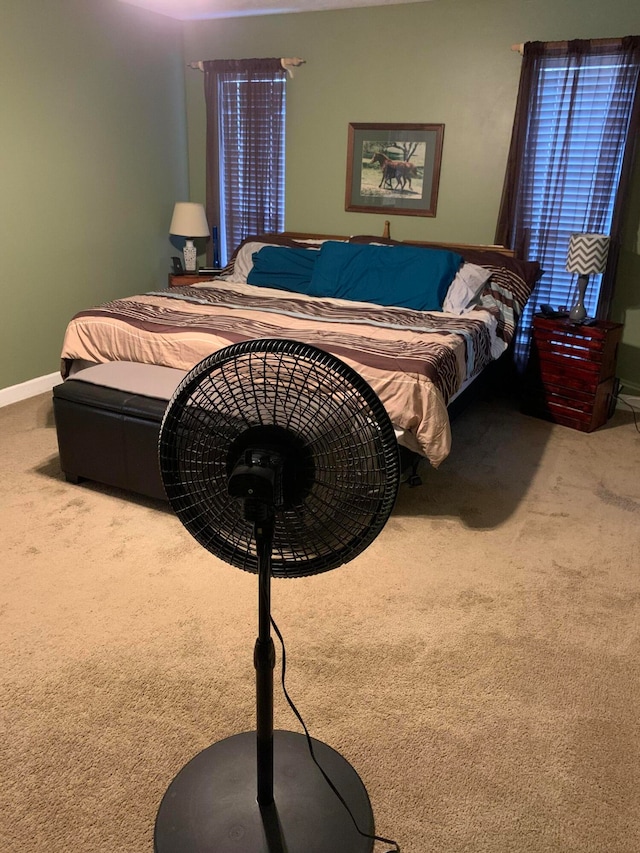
column 264, row 659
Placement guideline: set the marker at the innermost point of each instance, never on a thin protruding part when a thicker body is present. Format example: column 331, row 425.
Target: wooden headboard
column 386, row 235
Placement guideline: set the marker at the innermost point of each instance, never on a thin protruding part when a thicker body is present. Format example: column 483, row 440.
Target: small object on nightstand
column 215, row 246
column 549, row 311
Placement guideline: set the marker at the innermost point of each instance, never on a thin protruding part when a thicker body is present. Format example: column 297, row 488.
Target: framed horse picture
column 394, row 168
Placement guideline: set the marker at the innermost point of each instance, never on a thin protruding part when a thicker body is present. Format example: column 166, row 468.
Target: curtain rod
column 288, row 63
column 561, row 45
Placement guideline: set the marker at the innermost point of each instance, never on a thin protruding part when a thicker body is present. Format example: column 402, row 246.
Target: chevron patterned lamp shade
column 587, row 255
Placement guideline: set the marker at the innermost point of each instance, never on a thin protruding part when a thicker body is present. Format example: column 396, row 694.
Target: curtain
column 245, row 108
column 572, row 150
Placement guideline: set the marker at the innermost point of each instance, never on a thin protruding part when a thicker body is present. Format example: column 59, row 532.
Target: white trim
column 39, row 385
column 630, row 399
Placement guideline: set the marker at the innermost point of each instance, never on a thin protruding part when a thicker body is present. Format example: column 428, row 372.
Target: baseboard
column 629, row 399
column 31, row 388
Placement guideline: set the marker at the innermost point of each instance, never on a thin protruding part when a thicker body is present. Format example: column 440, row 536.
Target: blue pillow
column 283, row 268
column 407, row 276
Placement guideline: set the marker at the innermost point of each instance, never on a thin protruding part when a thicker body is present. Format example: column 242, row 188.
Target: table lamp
column 189, row 220
column 587, row 255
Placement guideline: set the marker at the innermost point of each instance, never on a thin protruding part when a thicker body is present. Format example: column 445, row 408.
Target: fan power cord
column 396, row 846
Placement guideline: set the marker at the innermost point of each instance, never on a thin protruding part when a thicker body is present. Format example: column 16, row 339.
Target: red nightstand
column 570, row 377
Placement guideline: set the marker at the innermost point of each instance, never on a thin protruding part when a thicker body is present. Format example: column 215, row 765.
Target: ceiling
column 198, row 10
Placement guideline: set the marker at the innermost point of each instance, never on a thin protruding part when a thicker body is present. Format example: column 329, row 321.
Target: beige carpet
column 478, row 664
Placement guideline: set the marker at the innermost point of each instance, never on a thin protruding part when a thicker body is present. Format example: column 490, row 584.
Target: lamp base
column 578, row 312
column 190, row 256
column 211, row 806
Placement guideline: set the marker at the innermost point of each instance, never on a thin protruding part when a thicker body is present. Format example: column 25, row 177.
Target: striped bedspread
column 415, row 361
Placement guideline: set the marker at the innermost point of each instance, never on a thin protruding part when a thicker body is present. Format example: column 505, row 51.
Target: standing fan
column 279, row 459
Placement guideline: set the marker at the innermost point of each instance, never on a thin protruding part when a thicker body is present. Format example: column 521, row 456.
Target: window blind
column 252, row 156
column 578, row 123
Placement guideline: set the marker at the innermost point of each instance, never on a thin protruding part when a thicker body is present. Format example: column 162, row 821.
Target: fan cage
column 351, row 458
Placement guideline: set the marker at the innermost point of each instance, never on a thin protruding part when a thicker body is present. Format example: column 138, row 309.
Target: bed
column 419, row 322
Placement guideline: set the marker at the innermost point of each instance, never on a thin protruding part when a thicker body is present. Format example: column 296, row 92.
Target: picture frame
column 394, row 168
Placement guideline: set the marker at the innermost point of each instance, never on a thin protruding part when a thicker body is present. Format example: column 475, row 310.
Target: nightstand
column 187, row 279
column 570, row 377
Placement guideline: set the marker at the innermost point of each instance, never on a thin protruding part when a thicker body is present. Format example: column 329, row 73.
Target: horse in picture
column 400, row 170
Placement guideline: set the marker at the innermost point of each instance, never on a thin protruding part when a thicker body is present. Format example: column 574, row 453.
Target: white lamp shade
column 189, row 220
column 587, row 253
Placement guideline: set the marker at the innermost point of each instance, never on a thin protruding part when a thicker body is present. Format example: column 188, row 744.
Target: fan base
column 211, row 806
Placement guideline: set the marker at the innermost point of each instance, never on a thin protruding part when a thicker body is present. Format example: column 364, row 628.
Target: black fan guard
column 341, row 472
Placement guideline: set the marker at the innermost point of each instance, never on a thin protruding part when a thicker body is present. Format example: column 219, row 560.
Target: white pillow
column 465, row 288
column 243, row 263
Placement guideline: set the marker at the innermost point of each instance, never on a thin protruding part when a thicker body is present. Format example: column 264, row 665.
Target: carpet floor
column 478, row 664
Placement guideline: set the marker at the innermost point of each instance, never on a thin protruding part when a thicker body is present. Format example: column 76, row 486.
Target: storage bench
column 108, row 421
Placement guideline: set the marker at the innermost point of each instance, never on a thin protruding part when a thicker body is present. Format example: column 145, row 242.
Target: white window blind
column 252, row 158
column 578, row 124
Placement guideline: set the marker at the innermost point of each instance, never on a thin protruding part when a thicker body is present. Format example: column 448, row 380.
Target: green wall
column 445, row 61
column 94, row 147
column 93, row 156
column 626, row 303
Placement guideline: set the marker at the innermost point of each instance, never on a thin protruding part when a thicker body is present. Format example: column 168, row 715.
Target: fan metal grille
column 351, row 454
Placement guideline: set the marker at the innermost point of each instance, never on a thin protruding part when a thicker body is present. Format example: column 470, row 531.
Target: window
column 246, row 109
column 569, row 149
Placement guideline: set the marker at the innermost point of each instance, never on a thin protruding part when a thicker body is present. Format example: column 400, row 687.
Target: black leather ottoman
column 108, row 421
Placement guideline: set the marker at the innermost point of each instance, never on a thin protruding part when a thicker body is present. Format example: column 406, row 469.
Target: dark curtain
column 630, row 60
column 245, row 121
column 507, row 231
column 621, row 129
